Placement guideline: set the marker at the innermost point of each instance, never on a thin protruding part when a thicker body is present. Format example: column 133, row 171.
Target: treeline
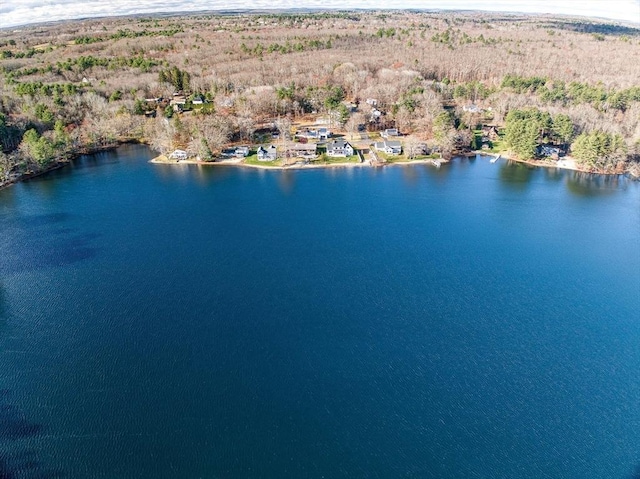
column 83, row 63
column 452, row 38
column 259, row 49
column 599, row 150
column 527, row 129
column 127, row 33
column 573, row 93
column 180, row 79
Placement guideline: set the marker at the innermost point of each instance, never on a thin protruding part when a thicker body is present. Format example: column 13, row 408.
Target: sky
column 21, row 12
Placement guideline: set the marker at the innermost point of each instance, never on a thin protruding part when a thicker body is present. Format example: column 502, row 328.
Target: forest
column 203, row 82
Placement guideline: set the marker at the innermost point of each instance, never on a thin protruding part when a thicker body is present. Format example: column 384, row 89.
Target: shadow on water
column 553, row 174
column 14, row 427
column 34, row 242
column 287, row 181
column 587, row 185
column 516, row 175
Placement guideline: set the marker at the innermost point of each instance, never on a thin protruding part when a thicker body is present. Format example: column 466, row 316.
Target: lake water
column 474, row 321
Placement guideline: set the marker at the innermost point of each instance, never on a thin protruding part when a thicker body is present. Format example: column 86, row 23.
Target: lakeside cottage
column 178, row 155
column 490, row 132
column 339, row 148
column 549, row 151
column 267, row 154
column 390, row 147
column 241, row 152
column 302, row 150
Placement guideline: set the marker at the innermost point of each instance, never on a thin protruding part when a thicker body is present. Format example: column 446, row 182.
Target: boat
column 493, row 160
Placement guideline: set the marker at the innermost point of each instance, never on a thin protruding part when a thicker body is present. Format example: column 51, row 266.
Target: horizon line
column 310, row 10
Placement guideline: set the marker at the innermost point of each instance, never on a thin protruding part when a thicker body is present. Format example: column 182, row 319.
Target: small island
column 324, row 89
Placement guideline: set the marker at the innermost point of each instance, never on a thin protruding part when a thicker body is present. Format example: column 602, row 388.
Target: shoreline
column 568, row 163
column 163, row 160
column 60, row 163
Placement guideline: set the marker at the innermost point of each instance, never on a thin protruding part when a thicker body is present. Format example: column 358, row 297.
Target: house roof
column 337, row 144
column 303, row 147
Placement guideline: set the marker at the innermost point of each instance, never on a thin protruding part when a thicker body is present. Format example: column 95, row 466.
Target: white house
column 178, row 155
column 472, row 108
column 389, row 147
column 375, row 116
column 390, row 132
column 323, row 134
column 339, row 148
column 267, row 154
column 308, row 134
column 241, row 152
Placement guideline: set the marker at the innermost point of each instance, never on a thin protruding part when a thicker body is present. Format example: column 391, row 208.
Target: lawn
column 253, row 160
column 329, row 160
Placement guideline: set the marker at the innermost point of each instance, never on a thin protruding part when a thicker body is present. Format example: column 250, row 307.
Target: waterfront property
column 302, row 150
column 241, row 152
column 339, row 148
column 390, row 147
column 269, row 153
column 178, row 155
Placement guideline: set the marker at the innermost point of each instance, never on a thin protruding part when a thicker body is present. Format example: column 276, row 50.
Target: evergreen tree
column 562, row 129
column 599, row 149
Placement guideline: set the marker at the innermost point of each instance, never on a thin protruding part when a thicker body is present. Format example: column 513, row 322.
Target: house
column 549, row 151
column 472, row 108
column 301, row 150
column 390, row 147
column 178, row 100
column 323, row 134
column 490, row 132
column 339, row 148
column 375, row 116
column 178, row 155
column 390, row 132
column 372, row 101
column 267, row 154
column 307, row 134
column 241, row 152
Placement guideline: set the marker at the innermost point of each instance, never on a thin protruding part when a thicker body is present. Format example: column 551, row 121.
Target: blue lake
column 474, row 321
